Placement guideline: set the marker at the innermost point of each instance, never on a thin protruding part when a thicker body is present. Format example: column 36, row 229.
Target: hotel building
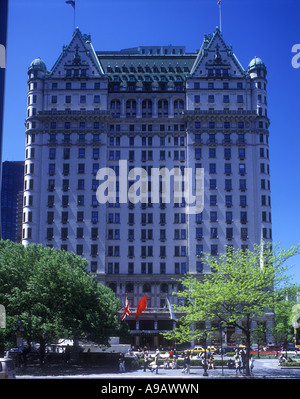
column 155, row 107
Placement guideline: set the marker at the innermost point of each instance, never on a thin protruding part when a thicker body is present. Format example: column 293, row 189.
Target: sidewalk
column 263, row 369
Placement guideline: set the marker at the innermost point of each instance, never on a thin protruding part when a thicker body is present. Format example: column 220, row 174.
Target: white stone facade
column 153, row 107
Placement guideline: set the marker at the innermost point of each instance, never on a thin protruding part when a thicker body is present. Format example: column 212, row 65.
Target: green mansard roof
column 138, row 64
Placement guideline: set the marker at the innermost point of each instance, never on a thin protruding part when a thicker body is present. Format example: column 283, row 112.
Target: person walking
column 243, row 358
column 154, row 364
column 174, row 363
column 121, row 363
column 146, row 361
column 237, row 362
column 251, row 364
column 211, row 363
column 187, row 364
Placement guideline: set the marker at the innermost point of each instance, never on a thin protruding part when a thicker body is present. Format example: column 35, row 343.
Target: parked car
column 198, row 348
column 7, row 369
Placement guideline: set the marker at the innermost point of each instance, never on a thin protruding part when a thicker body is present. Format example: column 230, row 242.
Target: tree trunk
column 248, row 344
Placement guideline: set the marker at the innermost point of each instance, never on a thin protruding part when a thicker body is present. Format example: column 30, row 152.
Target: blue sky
column 264, row 28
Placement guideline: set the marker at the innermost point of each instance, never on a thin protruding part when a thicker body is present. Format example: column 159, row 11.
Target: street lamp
column 221, row 337
column 205, row 374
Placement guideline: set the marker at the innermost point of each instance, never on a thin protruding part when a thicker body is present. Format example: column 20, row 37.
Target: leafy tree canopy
column 241, row 288
column 53, row 295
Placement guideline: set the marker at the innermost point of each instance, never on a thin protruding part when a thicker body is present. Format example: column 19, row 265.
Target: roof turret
column 256, row 63
column 38, row 64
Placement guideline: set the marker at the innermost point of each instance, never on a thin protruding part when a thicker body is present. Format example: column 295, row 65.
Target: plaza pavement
column 263, row 369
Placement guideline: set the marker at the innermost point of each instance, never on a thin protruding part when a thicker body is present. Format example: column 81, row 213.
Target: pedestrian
column 121, row 362
column 211, row 363
column 230, row 363
column 186, row 364
column 174, row 363
column 251, row 364
column 243, row 358
column 146, row 361
column 166, row 364
column 237, row 362
column 281, row 360
column 154, row 364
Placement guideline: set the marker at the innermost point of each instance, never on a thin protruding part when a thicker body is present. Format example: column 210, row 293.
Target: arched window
column 147, row 108
column 115, row 104
column 163, row 107
column 115, row 107
column 131, row 108
column 178, row 104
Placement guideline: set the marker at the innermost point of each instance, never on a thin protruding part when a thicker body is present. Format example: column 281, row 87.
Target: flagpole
column 74, row 18
column 73, row 4
column 220, row 12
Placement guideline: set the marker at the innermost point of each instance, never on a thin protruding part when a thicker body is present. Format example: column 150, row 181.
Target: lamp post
column 205, row 374
column 221, row 337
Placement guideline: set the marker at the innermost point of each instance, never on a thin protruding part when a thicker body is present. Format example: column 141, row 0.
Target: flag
column 126, row 309
column 172, row 316
column 72, row 2
column 141, row 306
column 219, row 3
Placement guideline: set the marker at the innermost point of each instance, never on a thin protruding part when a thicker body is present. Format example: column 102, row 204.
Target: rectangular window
column 64, row 233
column 52, row 153
column 243, row 200
column 94, row 218
column 80, row 200
column 212, row 168
column 228, row 217
column 65, row 201
column 96, row 153
column 51, row 169
column 81, row 153
column 197, row 153
column 228, row 200
column 214, row 250
column 229, row 233
column 49, row 233
column 213, row 200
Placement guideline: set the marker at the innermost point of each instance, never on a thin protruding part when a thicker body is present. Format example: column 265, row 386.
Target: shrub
column 291, row 364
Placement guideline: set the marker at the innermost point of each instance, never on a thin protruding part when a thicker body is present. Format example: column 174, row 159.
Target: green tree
column 239, row 290
column 54, row 296
column 283, row 309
